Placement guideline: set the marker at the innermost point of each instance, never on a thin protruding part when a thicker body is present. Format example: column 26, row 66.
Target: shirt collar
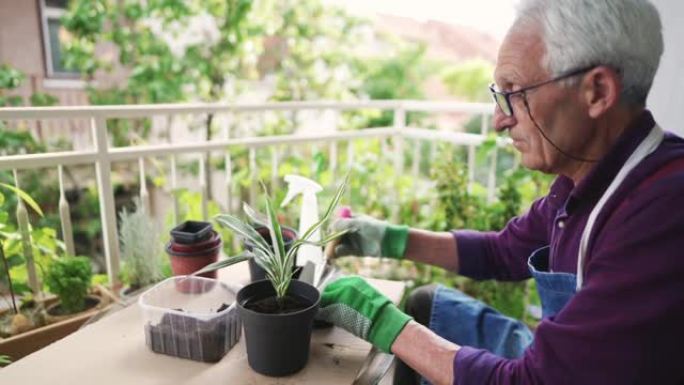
column 589, row 190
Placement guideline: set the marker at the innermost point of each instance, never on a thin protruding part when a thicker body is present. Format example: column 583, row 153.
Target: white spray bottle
column 308, row 217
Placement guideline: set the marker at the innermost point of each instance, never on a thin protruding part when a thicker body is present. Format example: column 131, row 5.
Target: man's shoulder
column 665, row 165
column 660, row 177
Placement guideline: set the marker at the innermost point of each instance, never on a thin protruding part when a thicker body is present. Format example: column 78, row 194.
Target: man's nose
column 501, row 121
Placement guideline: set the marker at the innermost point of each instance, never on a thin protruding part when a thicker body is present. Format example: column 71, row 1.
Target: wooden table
column 113, row 351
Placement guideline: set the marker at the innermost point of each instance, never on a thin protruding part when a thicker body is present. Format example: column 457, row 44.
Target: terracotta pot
column 190, row 262
column 210, row 242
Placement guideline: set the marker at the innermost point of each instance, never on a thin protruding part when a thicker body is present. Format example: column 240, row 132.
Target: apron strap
column 645, row 148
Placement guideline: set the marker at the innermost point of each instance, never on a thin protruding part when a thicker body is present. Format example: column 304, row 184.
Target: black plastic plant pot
column 277, row 344
column 256, row 272
column 190, row 232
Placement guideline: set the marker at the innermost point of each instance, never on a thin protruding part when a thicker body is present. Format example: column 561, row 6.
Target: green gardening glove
column 370, row 237
column 354, row 305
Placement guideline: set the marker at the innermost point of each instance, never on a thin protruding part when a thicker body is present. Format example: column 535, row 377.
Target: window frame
column 48, row 13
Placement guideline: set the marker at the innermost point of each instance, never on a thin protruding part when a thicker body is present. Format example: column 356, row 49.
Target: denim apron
column 466, row 321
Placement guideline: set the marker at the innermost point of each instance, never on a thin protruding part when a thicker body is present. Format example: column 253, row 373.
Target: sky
column 492, row 16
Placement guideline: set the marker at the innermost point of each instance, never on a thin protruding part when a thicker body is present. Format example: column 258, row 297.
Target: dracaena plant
column 273, row 258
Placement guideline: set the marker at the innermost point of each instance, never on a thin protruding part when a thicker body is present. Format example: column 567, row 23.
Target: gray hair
column 623, row 34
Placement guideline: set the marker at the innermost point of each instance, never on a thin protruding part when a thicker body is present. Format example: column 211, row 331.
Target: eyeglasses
column 503, row 98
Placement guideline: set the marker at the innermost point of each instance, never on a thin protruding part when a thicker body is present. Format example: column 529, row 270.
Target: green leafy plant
column 10, row 79
column 24, row 196
column 140, row 251
column 5, row 360
column 273, row 258
column 469, row 80
column 69, row 278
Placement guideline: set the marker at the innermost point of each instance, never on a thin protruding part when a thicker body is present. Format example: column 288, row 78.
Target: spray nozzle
column 299, row 185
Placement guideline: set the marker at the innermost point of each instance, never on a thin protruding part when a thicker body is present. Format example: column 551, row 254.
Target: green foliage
column 167, row 46
column 460, row 208
column 5, row 360
column 210, row 50
column 10, row 79
column 69, row 278
column 42, row 99
column 14, row 142
column 140, row 248
column 399, row 76
column 43, row 243
column 99, row 279
column 316, row 41
column 470, row 80
column 24, row 196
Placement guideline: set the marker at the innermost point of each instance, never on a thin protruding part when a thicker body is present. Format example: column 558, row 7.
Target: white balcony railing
column 102, row 155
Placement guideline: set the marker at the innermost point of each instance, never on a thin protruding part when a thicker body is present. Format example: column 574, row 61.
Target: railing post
column 253, row 173
column 103, row 169
column 144, row 194
column 65, row 215
column 350, row 165
column 333, row 159
column 228, row 184
column 274, row 169
column 471, row 166
column 399, row 124
column 174, row 191
column 491, row 178
column 204, row 188
column 433, row 155
column 415, row 166
column 333, row 147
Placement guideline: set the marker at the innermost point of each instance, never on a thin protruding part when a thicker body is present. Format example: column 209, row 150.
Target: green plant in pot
column 69, row 278
column 277, row 313
column 140, row 249
column 258, row 273
column 19, row 322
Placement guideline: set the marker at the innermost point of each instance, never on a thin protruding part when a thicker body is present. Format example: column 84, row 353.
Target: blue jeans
column 467, row 321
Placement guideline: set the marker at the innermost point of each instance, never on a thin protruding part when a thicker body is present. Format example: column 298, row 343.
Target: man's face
column 556, row 109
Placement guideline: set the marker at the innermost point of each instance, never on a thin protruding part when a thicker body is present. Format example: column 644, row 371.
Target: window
column 53, row 35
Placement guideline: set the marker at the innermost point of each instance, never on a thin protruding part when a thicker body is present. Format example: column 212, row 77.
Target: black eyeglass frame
column 505, row 96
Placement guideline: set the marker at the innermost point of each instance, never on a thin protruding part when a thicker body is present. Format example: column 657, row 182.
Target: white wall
column 667, row 95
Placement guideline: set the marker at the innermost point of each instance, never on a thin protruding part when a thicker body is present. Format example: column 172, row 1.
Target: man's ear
column 601, row 88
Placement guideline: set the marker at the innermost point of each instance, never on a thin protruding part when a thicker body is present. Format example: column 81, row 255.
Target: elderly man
column 605, row 246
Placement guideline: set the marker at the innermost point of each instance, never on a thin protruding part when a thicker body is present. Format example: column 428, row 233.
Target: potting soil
column 271, row 305
column 187, row 337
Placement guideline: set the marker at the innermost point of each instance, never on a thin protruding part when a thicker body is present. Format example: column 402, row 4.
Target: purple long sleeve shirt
column 626, row 325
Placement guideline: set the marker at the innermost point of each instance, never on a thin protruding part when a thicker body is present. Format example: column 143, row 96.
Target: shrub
column 69, row 278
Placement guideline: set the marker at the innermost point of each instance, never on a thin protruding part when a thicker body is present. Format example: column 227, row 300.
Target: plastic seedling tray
column 191, row 317
column 190, row 232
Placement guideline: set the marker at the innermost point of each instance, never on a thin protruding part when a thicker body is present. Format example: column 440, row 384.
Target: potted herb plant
column 277, row 313
column 25, row 328
column 69, row 278
column 140, row 250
